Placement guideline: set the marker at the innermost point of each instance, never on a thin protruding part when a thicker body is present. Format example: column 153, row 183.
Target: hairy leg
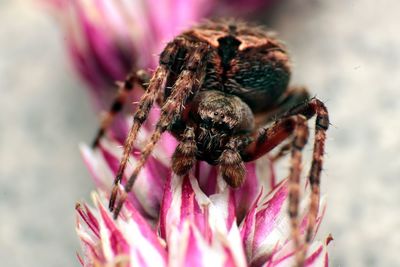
column 315, row 106
column 266, row 139
column 231, row 164
column 298, row 143
column 141, row 78
column 188, row 82
column 184, row 156
column 155, row 88
column 293, row 97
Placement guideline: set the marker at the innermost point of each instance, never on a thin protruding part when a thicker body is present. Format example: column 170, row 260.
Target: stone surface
column 346, row 52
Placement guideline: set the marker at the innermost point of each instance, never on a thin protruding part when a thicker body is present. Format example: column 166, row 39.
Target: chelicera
column 223, row 88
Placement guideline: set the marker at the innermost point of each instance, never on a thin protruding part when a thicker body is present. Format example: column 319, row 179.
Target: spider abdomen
column 253, row 67
column 257, row 81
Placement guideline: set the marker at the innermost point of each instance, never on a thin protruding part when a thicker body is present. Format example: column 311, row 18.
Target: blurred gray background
column 347, row 52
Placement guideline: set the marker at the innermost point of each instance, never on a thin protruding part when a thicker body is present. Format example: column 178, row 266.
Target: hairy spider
column 223, row 91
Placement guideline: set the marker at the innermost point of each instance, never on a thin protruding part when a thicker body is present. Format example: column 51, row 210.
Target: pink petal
column 116, row 238
column 267, row 228
column 193, row 256
column 97, row 167
column 317, row 256
column 130, row 238
column 148, row 190
column 262, row 220
column 187, row 247
column 184, row 201
column 257, row 179
column 207, row 177
column 88, row 217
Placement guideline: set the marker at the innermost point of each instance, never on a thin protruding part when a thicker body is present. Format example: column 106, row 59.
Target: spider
column 223, row 91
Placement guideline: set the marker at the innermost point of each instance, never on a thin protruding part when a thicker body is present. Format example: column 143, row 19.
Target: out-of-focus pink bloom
column 107, row 39
column 242, row 7
column 188, row 221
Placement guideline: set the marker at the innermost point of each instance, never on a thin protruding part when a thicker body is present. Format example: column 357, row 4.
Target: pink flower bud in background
column 107, row 39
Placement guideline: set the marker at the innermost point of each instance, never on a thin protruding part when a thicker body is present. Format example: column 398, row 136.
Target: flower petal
column 187, row 247
column 130, row 240
column 317, row 255
column 266, row 227
column 258, row 178
column 209, row 223
column 148, row 190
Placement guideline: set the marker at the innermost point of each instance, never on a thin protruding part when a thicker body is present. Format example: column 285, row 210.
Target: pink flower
column 168, row 220
column 195, row 220
column 107, row 39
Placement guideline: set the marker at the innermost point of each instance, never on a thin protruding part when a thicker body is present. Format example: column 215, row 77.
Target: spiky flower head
column 196, row 220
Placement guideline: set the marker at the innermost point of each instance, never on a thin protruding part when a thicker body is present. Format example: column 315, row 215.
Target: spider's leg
column 314, row 106
column 140, row 77
column 187, row 83
column 298, row 143
column 294, row 96
column 231, row 164
column 155, row 87
column 185, row 153
column 269, row 138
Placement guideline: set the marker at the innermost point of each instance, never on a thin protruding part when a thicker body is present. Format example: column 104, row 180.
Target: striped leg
column 314, row 107
column 266, row 139
column 231, row 164
column 185, row 153
column 140, row 77
column 157, row 84
column 293, row 97
column 321, row 126
column 299, row 141
column 187, row 83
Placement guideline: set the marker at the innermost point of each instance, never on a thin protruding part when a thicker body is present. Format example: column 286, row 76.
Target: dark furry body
column 250, row 71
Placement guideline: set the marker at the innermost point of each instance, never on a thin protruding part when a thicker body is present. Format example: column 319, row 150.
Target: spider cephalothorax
column 213, row 119
column 223, row 91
